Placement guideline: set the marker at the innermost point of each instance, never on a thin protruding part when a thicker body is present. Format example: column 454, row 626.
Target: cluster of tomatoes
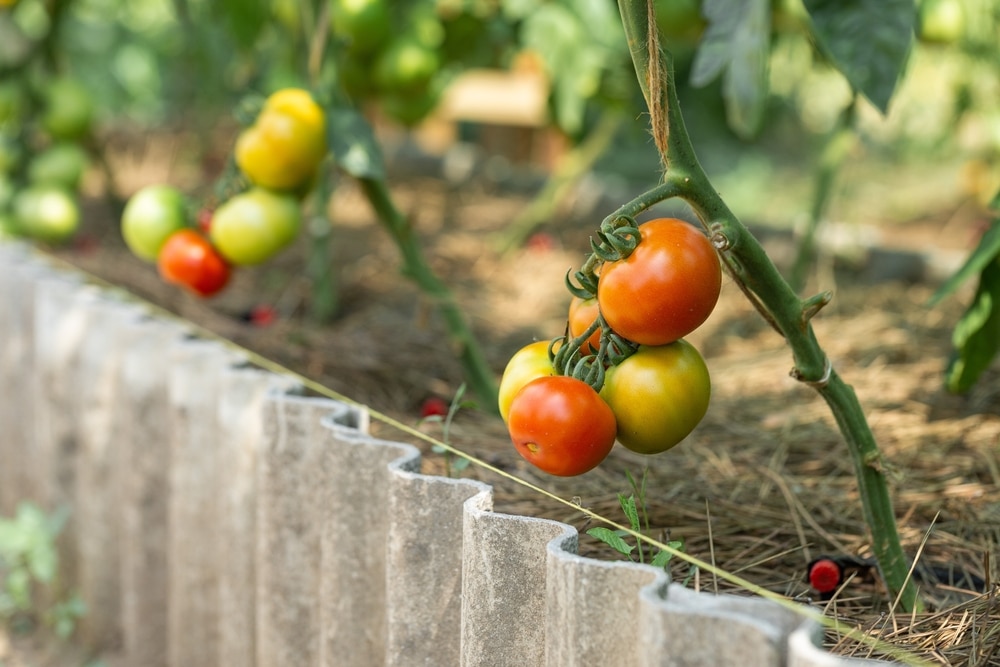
column 42, row 157
column 279, row 155
column 648, row 399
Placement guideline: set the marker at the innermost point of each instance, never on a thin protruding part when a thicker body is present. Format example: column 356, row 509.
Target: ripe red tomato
column 189, row 260
column 561, row 425
column 528, row 363
column 658, row 395
column 583, row 313
column 666, row 288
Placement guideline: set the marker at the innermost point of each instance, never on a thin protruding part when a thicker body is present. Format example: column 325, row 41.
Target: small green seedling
column 29, row 562
column 452, row 464
column 632, row 505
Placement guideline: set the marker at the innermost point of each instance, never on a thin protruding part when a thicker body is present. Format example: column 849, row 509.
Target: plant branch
column 752, row 269
column 415, row 266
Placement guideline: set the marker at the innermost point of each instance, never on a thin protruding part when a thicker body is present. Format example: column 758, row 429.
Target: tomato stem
column 755, row 274
column 416, row 267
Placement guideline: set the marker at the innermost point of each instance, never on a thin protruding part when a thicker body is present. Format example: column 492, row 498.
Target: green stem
column 325, row 301
column 753, row 271
column 835, row 151
column 415, row 266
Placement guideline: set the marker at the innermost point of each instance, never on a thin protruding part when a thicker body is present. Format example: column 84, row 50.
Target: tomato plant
column 189, row 260
column 151, row 216
column 254, row 226
column 658, row 395
column 286, row 143
column 527, row 364
column 561, row 425
column 666, row 288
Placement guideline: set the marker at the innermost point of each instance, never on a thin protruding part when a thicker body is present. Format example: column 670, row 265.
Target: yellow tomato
column 529, row 363
column 285, row 145
column 658, row 395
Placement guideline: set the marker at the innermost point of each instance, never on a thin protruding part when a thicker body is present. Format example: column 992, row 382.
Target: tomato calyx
column 618, row 237
column 568, row 357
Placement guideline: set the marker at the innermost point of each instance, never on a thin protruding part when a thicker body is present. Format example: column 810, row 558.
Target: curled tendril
column 585, row 286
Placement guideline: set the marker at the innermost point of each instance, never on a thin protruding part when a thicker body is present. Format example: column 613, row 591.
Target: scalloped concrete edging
column 220, row 517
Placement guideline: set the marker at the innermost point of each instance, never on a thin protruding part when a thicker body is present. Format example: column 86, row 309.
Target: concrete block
column 289, row 530
column 805, row 650
column 504, row 605
column 60, row 324
column 691, row 629
column 144, row 423
column 18, row 275
column 242, row 391
column 355, row 518
column 193, row 541
column 593, row 606
column 423, row 573
column 98, row 498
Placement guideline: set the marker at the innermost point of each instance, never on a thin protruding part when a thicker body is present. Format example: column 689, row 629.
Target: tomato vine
column 752, row 270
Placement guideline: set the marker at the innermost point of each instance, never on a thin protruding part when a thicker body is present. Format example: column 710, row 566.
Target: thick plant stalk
column 753, row 271
column 478, row 372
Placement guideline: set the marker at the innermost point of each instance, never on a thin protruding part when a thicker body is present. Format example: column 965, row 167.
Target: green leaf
column 977, row 333
column 613, row 540
column 867, row 40
column 737, row 46
column 18, row 585
column 630, row 510
column 987, row 251
column 661, row 559
column 353, row 144
column 43, row 561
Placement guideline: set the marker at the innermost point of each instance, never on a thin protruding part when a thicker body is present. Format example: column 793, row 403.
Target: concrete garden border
column 220, row 517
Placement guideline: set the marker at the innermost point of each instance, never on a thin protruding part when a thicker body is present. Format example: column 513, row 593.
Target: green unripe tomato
column 366, row 24
column 405, row 66
column 46, row 213
column 150, row 217
column 62, row 164
column 658, row 395
column 941, row 21
column 254, row 226
column 69, row 109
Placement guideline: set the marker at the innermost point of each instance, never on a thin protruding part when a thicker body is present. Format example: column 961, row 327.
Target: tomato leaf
column 867, row 40
column 977, row 333
column 987, row 251
column 630, row 510
column 353, row 143
column 737, row 46
column 661, row 559
column 612, row 539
